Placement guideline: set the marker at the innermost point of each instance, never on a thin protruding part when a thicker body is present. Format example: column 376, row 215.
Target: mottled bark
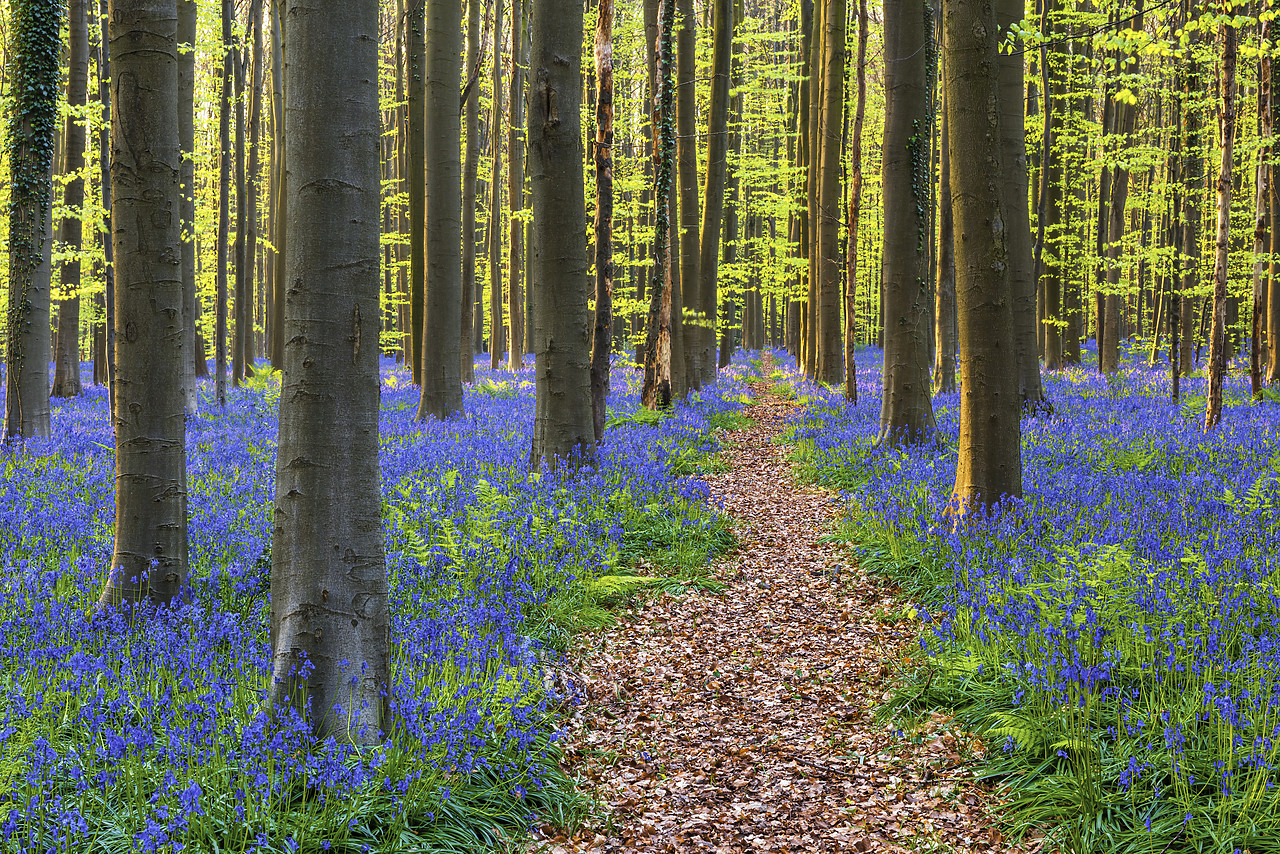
column 656, row 391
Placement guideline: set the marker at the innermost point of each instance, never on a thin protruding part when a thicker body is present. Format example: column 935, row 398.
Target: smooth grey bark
column 497, row 336
column 687, row 336
column 66, row 374
column 416, row 50
column 330, row 621
column 280, row 193
column 714, row 188
column 224, row 208
column 30, row 128
column 515, row 184
column 442, row 330
column 251, row 182
column 602, row 333
column 149, row 559
column 472, row 319
column 187, row 13
column 906, row 415
column 945, row 330
column 829, row 150
column 562, row 416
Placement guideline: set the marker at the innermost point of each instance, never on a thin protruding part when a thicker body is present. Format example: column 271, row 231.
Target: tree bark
column 944, row 371
column 35, row 33
column 1227, row 122
column 685, row 365
column 243, row 330
column 149, row 558
column 515, row 183
column 989, row 466
column 656, row 391
column 442, row 336
column 601, row 340
column 224, row 205
column 907, row 411
column 714, row 189
column 251, row 180
column 187, row 18
column 855, row 212
column 471, row 322
column 1051, row 247
column 1261, row 238
column 497, row 339
column 416, row 83
column 281, row 184
column 66, row 375
column 330, row 621
column 830, row 355
column 563, row 425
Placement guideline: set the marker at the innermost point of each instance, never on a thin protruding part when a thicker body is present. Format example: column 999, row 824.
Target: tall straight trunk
column 498, row 338
column 187, row 17
column 1114, row 299
column 830, row 148
column 149, row 558
column 1050, row 246
column 944, row 362
column 416, row 49
column 690, row 335
column 1193, row 175
column 243, row 329
column 601, row 339
column 34, row 33
column 1101, row 230
column 442, row 337
column 515, row 183
column 855, row 212
column 251, row 178
column 907, row 411
column 562, row 424
column 224, row 204
column 656, row 391
column 1272, row 308
column 330, row 620
column 1227, row 122
column 66, row 375
column 813, row 169
column 281, row 186
column 104, row 177
column 714, row 189
column 471, row 320
column 1261, row 238
column 989, row 467
column 1016, row 209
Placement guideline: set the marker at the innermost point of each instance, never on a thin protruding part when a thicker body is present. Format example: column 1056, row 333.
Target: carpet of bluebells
column 1115, row 635
column 151, row 736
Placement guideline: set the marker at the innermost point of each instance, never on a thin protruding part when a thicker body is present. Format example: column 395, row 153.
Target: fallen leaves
column 745, row 721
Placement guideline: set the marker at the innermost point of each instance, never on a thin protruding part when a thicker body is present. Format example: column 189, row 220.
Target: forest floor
column 746, row 720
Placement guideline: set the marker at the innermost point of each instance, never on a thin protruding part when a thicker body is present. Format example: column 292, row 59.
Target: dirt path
column 745, row 721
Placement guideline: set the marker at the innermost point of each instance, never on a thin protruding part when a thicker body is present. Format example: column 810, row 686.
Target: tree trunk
column 1194, row 185
column 1227, row 121
column 149, row 559
column 690, row 335
column 35, row 34
column 944, row 370
column 497, row 337
column 442, row 336
column 855, row 212
column 104, row 176
column 563, row 424
column 1261, row 240
column 1273, row 201
column 330, row 621
column 656, row 391
column 66, row 375
column 224, row 205
column 714, row 189
column 601, row 341
column 1051, row 248
column 1125, row 116
column 907, row 411
column 471, row 322
column 242, row 331
column 1018, row 223
column 515, row 183
column 281, row 186
column 829, row 145
column 989, row 466
column 416, row 48
column 187, row 18
column 251, row 181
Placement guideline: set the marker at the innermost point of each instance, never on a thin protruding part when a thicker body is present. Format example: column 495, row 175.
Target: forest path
column 744, row 721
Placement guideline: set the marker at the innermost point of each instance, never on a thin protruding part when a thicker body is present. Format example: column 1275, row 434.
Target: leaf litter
column 746, row 721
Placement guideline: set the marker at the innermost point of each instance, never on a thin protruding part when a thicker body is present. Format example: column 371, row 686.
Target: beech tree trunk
column 515, row 184
column 224, row 206
column 251, row 181
column 944, row 360
column 66, row 374
column 471, row 322
column 149, row 558
column 563, row 426
column 416, row 50
column 690, row 335
column 442, row 333
column 330, row 621
column 714, row 189
column 187, row 18
column 855, row 212
column 281, row 193
column 601, row 340
column 1227, row 120
column 989, row 466
column 656, row 392
column 907, row 411
column 34, row 32
column 496, row 320
column 1261, row 241
column 829, row 145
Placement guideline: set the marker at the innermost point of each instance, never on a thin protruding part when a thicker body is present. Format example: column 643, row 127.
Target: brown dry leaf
column 744, row 721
